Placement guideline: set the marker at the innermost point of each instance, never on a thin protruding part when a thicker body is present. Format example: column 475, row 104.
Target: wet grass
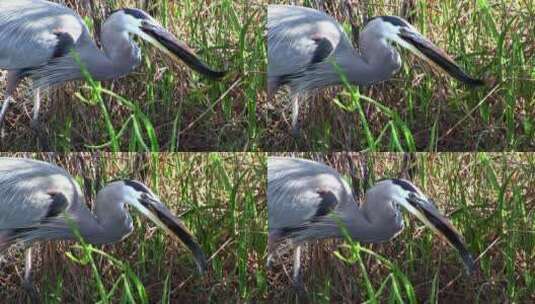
column 490, row 199
column 220, row 198
column 162, row 105
column 420, row 109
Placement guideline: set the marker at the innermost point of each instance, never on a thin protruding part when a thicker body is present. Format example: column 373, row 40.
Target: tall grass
column 488, row 196
column 162, row 106
column 220, row 198
column 420, row 109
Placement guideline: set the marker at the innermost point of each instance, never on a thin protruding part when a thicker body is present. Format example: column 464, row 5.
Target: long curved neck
column 348, row 216
column 382, row 58
column 363, row 223
column 365, row 68
column 378, row 221
column 110, row 223
column 119, row 55
column 358, row 69
column 356, row 222
column 89, row 227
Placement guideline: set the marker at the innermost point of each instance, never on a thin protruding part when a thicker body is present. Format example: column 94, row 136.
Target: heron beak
column 176, row 49
column 161, row 216
column 425, row 210
column 419, row 45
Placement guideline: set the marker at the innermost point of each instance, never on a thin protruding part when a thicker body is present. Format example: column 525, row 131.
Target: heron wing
column 34, row 31
column 328, row 203
column 297, row 38
column 32, row 192
column 301, row 191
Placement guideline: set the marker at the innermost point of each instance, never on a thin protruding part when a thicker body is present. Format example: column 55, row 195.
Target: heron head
column 399, row 31
column 139, row 196
column 407, row 195
column 139, row 23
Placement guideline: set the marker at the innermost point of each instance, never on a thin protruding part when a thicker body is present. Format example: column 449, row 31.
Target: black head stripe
column 396, row 21
column 134, row 12
column 137, row 186
column 404, row 185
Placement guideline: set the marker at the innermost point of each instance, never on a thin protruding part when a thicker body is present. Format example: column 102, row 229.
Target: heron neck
column 119, row 55
column 109, row 224
column 382, row 58
column 346, row 64
column 90, row 227
column 364, row 68
column 379, row 222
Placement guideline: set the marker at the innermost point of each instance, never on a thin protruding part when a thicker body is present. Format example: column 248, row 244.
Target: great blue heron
column 51, row 44
column 308, row 49
column 310, row 201
column 41, row 201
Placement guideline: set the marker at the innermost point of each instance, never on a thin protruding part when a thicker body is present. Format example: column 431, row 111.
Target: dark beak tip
column 488, row 81
column 219, row 75
column 470, row 264
column 478, row 82
column 471, row 269
column 441, row 59
column 181, row 51
column 203, row 268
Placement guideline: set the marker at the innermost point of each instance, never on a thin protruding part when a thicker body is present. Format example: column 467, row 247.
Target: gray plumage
column 310, row 201
column 25, row 199
column 294, row 37
column 308, row 49
column 32, row 33
column 26, row 196
column 30, row 46
column 41, row 201
column 294, row 198
column 50, row 44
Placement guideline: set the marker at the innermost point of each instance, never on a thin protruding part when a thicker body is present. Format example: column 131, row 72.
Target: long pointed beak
column 161, row 216
column 425, row 49
column 176, row 49
column 426, row 211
